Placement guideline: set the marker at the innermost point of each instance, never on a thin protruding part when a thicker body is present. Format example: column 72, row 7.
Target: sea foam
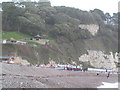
column 109, row 85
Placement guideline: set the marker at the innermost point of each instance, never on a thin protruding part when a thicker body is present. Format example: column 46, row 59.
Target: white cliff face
column 92, row 28
column 19, row 60
column 100, row 60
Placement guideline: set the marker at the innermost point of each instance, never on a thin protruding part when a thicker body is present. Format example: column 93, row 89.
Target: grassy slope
column 15, row 35
column 62, row 49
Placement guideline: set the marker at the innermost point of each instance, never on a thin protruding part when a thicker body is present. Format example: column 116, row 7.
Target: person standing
column 97, row 74
column 108, row 75
column 106, row 69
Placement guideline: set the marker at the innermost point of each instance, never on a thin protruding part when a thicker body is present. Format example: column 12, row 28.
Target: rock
column 19, row 60
column 100, row 60
column 92, row 28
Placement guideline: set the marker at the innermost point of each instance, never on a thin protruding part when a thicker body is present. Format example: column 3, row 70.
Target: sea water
column 109, row 85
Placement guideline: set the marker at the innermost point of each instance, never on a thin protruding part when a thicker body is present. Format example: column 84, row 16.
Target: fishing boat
column 50, row 67
column 77, row 69
column 69, row 68
column 60, row 68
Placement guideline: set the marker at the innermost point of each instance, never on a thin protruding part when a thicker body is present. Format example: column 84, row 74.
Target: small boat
column 77, row 69
column 50, row 67
column 69, row 68
column 60, row 68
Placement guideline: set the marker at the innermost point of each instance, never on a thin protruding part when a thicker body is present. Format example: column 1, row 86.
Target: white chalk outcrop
column 99, row 59
column 92, row 28
column 19, row 60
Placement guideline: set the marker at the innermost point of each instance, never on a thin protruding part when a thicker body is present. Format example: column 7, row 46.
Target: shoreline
column 16, row 76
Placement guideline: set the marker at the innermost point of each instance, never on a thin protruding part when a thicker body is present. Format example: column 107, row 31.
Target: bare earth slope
column 16, row 76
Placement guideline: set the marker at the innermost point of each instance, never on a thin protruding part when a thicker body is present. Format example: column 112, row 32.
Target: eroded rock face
column 51, row 63
column 92, row 28
column 19, row 60
column 99, row 59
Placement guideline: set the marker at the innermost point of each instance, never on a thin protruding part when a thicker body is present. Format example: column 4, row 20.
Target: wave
column 108, row 85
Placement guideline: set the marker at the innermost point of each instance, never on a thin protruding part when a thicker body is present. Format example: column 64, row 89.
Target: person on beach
column 85, row 69
column 108, row 75
column 97, row 74
column 106, row 70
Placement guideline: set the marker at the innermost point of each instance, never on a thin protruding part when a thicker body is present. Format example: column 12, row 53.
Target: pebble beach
column 17, row 76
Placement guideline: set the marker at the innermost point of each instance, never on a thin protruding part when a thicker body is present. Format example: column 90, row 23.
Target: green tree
column 101, row 13
column 108, row 18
